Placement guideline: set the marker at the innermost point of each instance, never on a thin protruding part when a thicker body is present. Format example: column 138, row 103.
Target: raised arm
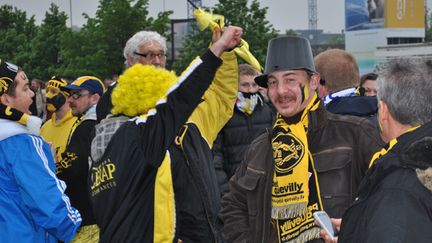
column 218, row 101
column 166, row 120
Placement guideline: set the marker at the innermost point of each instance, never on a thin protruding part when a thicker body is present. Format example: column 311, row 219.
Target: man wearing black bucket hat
column 310, row 160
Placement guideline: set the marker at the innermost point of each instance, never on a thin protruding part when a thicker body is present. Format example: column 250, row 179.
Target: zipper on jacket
column 213, row 231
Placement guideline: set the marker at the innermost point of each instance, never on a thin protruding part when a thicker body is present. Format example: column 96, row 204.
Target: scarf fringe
column 289, row 211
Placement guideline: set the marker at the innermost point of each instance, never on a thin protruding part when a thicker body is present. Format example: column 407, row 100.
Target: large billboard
column 404, row 14
column 375, row 14
column 364, row 14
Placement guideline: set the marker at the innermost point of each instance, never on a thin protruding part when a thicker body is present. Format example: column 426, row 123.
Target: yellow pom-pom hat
column 140, row 88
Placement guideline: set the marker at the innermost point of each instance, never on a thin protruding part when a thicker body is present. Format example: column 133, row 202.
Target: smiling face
column 21, row 97
column 286, row 90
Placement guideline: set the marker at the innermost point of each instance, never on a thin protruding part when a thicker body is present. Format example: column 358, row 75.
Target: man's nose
column 70, row 99
column 281, row 88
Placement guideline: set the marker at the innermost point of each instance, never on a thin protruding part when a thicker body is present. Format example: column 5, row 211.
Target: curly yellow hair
column 139, row 88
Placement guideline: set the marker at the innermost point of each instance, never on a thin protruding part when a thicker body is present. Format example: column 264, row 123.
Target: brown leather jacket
column 341, row 146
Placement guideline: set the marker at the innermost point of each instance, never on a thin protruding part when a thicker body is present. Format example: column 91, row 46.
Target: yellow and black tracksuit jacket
column 194, row 177
column 131, row 184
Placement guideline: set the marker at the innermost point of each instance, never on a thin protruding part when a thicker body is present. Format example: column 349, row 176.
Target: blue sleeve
column 41, row 191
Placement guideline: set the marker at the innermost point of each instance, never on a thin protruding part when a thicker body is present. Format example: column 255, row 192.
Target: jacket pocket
column 333, row 167
column 249, row 182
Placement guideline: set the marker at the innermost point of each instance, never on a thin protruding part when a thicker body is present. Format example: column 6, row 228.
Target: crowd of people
column 221, row 153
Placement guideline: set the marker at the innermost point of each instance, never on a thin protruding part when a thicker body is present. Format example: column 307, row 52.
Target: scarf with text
column 295, row 189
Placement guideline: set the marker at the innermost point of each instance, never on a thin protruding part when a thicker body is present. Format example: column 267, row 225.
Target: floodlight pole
column 70, row 12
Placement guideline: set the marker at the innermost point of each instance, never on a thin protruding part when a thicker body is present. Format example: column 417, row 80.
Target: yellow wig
column 139, row 88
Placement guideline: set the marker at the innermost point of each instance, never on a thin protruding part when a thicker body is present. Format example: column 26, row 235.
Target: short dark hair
column 368, row 76
column 12, row 88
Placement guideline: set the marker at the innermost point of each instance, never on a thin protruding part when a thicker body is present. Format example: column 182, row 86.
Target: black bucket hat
column 286, row 53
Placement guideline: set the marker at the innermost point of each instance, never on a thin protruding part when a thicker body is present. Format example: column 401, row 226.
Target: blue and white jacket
column 33, row 206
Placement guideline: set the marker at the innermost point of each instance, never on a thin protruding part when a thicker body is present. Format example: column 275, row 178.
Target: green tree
column 97, row 49
column 337, row 40
column 257, row 31
column 16, row 31
column 290, row 32
column 43, row 58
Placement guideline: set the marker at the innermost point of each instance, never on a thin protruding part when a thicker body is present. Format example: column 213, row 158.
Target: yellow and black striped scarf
column 295, row 189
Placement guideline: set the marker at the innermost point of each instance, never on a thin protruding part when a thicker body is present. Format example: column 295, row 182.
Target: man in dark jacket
column 394, row 202
column 310, row 160
column 73, row 166
column 339, row 79
column 252, row 115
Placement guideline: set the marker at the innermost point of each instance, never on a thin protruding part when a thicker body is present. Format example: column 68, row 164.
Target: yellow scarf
column 389, row 146
column 295, row 189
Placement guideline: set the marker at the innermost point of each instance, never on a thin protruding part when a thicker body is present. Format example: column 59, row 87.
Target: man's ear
column 383, row 111
column 314, row 81
column 4, row 99
column 322, row 91
column 95, row 98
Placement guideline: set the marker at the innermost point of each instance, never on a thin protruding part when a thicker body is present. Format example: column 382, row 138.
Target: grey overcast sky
column 283, row 14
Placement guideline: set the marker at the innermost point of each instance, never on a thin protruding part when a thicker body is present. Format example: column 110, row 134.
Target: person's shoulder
column 414, row 183
column 358, row 126
column 349, row 120
column 263, row 138
column 24, row 142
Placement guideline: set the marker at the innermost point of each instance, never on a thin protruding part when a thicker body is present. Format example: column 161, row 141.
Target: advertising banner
column 404, row 14
column 364, row 14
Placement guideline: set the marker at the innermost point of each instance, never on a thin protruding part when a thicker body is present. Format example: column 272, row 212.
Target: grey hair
column 140, row 38
column 405, row 85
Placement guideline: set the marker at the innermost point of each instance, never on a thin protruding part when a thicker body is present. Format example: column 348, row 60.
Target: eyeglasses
column 151, row 55
column 322, row 81
column 78, row 95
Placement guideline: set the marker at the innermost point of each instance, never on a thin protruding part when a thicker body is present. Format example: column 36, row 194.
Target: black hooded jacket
column 394, row 203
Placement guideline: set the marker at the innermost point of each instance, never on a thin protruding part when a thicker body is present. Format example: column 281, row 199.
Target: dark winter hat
column 286, row 53
column 8, row 72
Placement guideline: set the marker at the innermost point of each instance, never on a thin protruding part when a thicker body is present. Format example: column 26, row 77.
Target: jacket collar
column 11, row 128
column 317, row 118
column 413, row 150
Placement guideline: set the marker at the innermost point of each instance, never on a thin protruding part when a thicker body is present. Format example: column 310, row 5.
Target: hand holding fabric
column 230, row 38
